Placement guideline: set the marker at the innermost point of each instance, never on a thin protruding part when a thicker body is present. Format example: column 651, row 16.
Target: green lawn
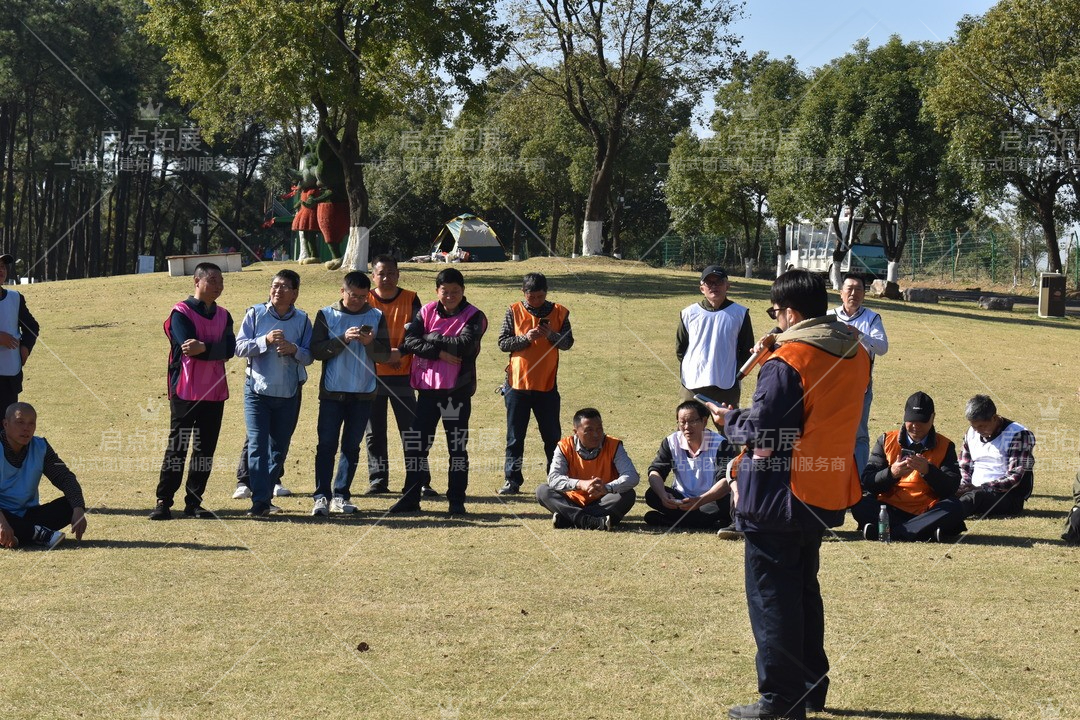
column 498, row 615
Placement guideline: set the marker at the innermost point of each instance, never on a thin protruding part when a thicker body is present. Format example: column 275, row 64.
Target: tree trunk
column 599, row 188
column 357, row 250
column 1045, row 209
column 556, row 217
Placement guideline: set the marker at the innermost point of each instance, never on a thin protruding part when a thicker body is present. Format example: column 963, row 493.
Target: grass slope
column 498, row 615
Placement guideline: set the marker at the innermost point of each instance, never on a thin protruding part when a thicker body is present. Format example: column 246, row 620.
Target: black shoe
column 428, row 492
column 405, row 505
column 656, row 519
column 815, row 707
column 591, row 522
column 559, row 522
column 510, row 488
column 729, row 533
column 198, row 511
column 458, row 508
column 869, row 531
column 377, row 489
column 161, row 511
column 755, row 710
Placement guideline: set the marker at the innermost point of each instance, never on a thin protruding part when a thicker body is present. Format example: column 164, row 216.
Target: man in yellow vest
column 591, row 482
column 533, row 332
column 797, row 481
column 914, row 473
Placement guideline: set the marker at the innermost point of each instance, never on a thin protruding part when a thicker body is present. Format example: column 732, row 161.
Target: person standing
column 18, row 334
column 275, row 338
column 713, row 340
column 201, row 339
column 799, row 479
column 398, row 307
column 444, row 339
column 872, row 336
column 533, row 332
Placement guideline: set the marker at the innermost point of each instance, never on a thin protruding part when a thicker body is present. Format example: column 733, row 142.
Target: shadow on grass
column 107, row 544
column 889, row 715
column 930, row 310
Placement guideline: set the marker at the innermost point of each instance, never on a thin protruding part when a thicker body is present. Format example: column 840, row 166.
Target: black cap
column 714, row 270
column 7, row 259
column 919, row 408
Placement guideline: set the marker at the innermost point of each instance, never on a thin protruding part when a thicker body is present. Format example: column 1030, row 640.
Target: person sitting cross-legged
column 997, row 462
column 914, row 473
column 700, row 495
column 591, row 481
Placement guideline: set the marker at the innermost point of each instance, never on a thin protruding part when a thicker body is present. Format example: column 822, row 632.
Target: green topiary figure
column 331, row 202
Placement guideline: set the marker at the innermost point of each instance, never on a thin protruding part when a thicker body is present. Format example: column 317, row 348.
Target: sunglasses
column 773, row 312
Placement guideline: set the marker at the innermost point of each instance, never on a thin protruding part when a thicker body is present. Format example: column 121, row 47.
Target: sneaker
column 597, row 523
column 264, row 511
column 376, row 489
column 341, row 506
column 321, row 506
column 656, row 519
column 429, row 492
column 729, row 533
column 198, row 511
column 281, row 491
column 815, row 707
column 754, row 710
column 510, row 488
column 405, row 505
column 243, row 492
column 458, row 508
column 161, row 511
column 274, row 510
column 869, row 531
column 559, row 522
column 47, row 538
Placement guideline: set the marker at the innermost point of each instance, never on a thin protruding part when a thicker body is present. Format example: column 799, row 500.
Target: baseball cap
column 919, row 408
column 714, row 270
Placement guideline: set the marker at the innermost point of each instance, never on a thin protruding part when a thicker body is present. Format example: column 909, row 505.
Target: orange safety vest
column 534, row 367
column 912, row 493
column 601, row 466
column 823, row 471
column 398, row 313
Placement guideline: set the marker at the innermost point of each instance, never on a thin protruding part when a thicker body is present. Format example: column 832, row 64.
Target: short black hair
column 802, row 291
column 855, row 276
column 356, row 279
column 980, row 407
column 289, row 276
column 695, row 405
column 383, row 259
column 205, row 268
column 586, row 414
column 449, row 276
column 534, row 282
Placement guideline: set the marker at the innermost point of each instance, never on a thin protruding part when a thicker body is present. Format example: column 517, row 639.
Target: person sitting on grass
column 700, row 495
column 591, row 480
column 996, row 462
column 23, row 519
column 914, row 473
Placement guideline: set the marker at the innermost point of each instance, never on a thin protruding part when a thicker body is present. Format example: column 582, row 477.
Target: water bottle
column 884, row 534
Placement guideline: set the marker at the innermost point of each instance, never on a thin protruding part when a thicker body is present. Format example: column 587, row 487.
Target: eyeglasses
column 689, row 423
column 773, row 312
column 714, row 283
column 281, row 286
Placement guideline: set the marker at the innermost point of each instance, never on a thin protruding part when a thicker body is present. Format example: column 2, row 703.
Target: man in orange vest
column 533, row 332
column 591, row 482
column 798, row 480
column 914, row 473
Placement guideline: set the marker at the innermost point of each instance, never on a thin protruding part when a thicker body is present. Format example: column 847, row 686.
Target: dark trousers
column 947, row 514
column 10, row 387
column 984, row 502
column 403, row 400
column 615, row 505
column 243, row 469
column 544, row 406
column 54, row 515
column 703, row 516
column 195, row 424
column 454, row 411
column 787, row 617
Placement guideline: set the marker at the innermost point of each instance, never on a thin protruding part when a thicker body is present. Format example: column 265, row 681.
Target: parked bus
column 811, row 245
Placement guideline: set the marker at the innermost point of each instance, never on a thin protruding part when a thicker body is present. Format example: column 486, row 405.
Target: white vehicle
column 811, row 246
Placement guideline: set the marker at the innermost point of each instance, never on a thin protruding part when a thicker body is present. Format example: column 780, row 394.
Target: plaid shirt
column 1021, row 459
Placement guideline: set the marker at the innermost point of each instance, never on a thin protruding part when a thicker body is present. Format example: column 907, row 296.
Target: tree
column 355, row 61
column 1008, row 95
column 609, row 52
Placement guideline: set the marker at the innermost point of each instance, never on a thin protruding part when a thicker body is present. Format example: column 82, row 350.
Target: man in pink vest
column 201, row 340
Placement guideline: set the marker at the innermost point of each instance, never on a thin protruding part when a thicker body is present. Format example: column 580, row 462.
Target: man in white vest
column 713, row 340
column 996, row 462
column 18, row 333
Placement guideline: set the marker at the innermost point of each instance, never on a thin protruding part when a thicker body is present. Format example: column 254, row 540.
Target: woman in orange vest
column 533, row 332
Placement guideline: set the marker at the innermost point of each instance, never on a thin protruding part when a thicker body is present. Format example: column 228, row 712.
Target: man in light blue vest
column 23, row 519
column 275, row 337
column 350, row 336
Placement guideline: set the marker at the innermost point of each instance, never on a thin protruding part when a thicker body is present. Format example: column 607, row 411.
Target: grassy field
column 498, row 615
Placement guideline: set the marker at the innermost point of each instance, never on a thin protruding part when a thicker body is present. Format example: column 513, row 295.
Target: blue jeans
column 270, row 424
column 862, row 435
column 333, row 414
column 545, row 407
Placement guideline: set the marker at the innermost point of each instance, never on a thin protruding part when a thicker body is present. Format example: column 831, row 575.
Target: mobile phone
column 904, row 452
column 544, row 322
column 702, row 399
column 365, row 329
